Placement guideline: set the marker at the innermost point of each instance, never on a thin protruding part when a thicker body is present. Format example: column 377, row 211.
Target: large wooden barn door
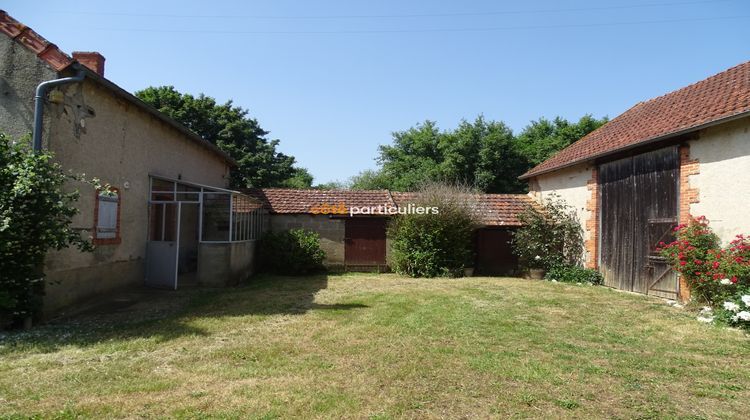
column 639, row 205
column 365, row 241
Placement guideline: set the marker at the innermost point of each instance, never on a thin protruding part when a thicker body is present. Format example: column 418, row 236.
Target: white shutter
column 106, row 226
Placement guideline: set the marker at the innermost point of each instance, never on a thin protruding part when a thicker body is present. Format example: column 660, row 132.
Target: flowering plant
column 736, row 309
column 713, row 272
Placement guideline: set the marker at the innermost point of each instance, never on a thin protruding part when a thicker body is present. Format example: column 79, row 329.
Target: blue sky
column 333, row 79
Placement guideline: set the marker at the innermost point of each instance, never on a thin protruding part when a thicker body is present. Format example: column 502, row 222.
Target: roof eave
column 652, row 140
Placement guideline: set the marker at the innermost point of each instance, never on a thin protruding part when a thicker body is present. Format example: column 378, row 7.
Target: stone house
column 171, row 220
column 682, row 154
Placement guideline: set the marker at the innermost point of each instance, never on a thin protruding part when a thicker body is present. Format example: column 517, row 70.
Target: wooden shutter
column 106, row 222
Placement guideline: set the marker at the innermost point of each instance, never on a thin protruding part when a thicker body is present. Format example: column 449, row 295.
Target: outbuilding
column 682, row 154
column 171, row 218
column 354, row 238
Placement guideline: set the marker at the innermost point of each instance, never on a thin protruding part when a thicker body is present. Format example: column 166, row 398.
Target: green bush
column 550, row 235
column 432, row 245
column 573, row 274
column 35, row 216
column 291, row 252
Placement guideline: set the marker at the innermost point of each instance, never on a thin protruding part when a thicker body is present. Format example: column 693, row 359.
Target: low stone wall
column 225, row 264
column 331, row 232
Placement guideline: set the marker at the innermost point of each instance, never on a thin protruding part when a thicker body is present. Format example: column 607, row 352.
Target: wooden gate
column 494, row 253
column 365, row 241
column 639, row 205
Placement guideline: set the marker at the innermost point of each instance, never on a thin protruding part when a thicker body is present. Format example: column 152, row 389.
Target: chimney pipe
column 93, row 60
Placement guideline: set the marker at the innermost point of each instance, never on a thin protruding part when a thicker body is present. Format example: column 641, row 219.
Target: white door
column 162, row 248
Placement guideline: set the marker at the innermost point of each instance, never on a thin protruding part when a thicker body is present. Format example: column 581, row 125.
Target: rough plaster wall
column 723, row 182
column 331, row 231
column 116, row 143
column 20, row 73
column 571, row 185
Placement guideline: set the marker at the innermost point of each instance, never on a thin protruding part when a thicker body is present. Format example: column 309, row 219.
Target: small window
column 107, row 217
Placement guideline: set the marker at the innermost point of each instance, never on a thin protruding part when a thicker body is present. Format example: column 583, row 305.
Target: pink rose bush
column 719, row 276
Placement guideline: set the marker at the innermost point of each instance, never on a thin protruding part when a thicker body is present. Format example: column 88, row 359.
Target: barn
column 360, row 242
column 682, row 154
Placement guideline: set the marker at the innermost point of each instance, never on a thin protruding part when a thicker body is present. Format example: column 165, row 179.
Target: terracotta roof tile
column 36, row 43
column 283, row 200
column 721, row 96
column 493, row 209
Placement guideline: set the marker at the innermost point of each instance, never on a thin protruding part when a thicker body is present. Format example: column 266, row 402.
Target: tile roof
column 493, row 209
column 284, row 200
column 722, row 96
column 25, row 36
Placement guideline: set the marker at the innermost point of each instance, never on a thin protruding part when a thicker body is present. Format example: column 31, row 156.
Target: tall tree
column 231, row 129
column 484, row 154
column 543, row 138
column 479, row 153
column 300, row 179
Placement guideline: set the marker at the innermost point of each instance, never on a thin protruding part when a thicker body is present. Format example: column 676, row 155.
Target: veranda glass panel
column 216, row 217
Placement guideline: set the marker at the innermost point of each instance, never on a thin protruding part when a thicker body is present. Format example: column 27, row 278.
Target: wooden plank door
column 639, row 205
column 656, row 181
column 617, row 221
column 494, row 253
column 365, row 241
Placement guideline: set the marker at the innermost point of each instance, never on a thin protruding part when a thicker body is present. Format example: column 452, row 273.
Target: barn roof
column 719, row 98
column 492, row 209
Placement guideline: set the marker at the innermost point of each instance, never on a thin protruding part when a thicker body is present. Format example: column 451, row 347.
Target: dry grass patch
column 382, row 346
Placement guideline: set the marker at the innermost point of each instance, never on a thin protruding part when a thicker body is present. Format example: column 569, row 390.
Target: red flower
column 734, row 279
column 683, row 262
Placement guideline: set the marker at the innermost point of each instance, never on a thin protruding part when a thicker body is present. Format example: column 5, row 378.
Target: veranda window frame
column 251, row 231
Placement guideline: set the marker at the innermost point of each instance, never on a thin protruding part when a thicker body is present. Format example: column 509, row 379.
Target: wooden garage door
column 639, row 205
column 365, row 241
column 494, row 253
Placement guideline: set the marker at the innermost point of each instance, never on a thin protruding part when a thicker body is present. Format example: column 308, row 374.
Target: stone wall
column 331, row 231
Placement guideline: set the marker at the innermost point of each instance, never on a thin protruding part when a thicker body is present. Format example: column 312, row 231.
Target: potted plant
column 536, row 269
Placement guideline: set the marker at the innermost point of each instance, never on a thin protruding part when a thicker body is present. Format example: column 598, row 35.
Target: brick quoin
column 592, row 224
column 688, row 196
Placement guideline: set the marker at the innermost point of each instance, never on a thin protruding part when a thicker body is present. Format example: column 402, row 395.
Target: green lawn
column 381, row 346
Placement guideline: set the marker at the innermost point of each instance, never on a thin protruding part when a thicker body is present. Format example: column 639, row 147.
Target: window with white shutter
column 107, row 217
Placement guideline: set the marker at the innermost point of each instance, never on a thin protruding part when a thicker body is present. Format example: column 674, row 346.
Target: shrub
column 35, row 216
column 712, row 272
column 550, row 235
column 574, row 274
column 432, row 245
column 291, row 252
